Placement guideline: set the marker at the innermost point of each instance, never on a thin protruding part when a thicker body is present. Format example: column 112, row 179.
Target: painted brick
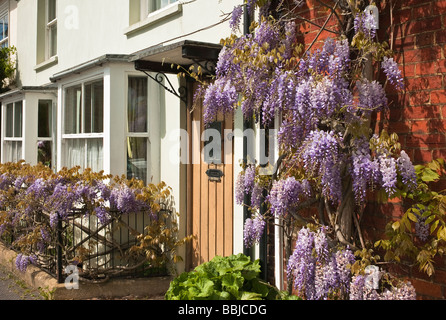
column 417, row 98
column 419, row 26
column 425, row 39
column 438, row 97
column 436, row 126
column 427, row 288
column 420, row 126
column 422, row 11
column 427, row 68
column 440, row 37
column 426, row 140
column 422, row 156
column 425, row 83
column 423, row 54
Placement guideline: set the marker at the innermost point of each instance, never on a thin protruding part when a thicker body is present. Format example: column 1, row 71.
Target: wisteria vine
column 35, row 201
column 329, row 156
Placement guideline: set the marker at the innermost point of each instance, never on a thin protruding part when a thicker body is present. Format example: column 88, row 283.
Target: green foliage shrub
column 224, row 278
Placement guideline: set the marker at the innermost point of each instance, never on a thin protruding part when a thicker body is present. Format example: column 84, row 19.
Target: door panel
column 211, row 210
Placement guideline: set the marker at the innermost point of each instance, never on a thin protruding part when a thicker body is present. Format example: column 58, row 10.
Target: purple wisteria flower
column 407, row 171
column 365, row 22
column 23, row 261
column 236, row 16
column 302, row 264
column 422, row 230
column 393, row 72
column 320, row 155
column 245, row 183
column 317, row 270
column 389, row 173
column 372, row 96
column 253, row 230
column 285, row 194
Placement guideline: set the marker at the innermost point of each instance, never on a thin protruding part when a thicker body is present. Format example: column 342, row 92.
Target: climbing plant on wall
column 324, row 94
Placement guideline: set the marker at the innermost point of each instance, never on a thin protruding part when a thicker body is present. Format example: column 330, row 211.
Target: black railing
column 99, row 251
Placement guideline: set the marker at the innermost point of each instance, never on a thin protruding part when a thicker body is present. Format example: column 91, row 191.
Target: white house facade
column 88, row 91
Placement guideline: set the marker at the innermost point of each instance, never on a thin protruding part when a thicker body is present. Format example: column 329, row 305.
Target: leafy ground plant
column 224, row 278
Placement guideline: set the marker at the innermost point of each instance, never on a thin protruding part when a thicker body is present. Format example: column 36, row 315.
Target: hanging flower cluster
column 321, row 272
column 324, row 104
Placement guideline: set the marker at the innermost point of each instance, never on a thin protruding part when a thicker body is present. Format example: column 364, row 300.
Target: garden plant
column 331, row 159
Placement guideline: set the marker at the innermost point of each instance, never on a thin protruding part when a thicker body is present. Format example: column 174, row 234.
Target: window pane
column 51, row 10
column 45, row 118
column 3, row 27
column 13, row 151
column 45, row 152
column 53, row 40
column 10, row 120
column 85, row 153
column 75, row 153
column 137, row 104
column 18, row 119
column 94, row 154
column 137, row 158
column 94, row 107
column 73, row 110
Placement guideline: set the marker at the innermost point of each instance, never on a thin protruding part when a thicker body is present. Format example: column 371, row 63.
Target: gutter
column 98, row 62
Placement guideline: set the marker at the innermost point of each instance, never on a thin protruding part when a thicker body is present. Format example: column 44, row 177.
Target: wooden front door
column 211, row 189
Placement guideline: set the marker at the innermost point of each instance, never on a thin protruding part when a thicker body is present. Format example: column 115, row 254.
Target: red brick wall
column 418, row 116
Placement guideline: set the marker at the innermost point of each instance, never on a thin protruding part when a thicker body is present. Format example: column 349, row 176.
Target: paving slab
column 13, row 289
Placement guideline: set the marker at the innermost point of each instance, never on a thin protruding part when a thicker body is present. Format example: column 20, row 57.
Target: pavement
column 14, row 289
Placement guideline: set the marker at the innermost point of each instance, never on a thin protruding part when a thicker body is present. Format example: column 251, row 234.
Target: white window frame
column 12, row 139
column 144, row 135
column 4, row 16
column 49, row 25
column 80, row 136
column 150, row 6
column 51, row 138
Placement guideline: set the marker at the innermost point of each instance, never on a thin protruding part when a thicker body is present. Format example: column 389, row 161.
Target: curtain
column 94, row 153
column 13, row 151
column 85, row 153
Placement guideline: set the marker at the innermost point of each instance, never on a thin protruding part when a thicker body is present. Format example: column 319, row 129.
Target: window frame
column 138, row 135
column 50, row 52
column 82, row 135
column 51, row 122
column 4, row 16
column 12, row 139
column 148, row 7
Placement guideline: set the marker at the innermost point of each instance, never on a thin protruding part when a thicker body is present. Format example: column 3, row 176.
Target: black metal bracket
column 161, row 79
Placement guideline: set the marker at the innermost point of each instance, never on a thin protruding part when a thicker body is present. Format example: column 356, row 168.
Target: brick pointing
column 418, row 115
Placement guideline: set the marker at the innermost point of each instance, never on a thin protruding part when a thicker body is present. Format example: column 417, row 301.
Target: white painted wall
column 89, row 29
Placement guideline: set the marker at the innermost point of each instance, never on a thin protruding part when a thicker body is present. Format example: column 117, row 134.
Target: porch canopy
column 157, row 61
column 167, row 58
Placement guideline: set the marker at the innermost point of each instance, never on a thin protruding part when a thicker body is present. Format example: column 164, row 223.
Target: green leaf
column 232, row 282
column 434, row 226
column 396, row 225
column 412, row 217
column 205, row 288
column 250, row 296
column 429, row 175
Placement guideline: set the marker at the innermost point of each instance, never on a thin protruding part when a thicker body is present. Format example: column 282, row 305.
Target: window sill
column 46, row 64
column 154, row 17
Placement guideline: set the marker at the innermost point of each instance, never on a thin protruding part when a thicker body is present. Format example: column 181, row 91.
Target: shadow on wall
column 417, row 37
